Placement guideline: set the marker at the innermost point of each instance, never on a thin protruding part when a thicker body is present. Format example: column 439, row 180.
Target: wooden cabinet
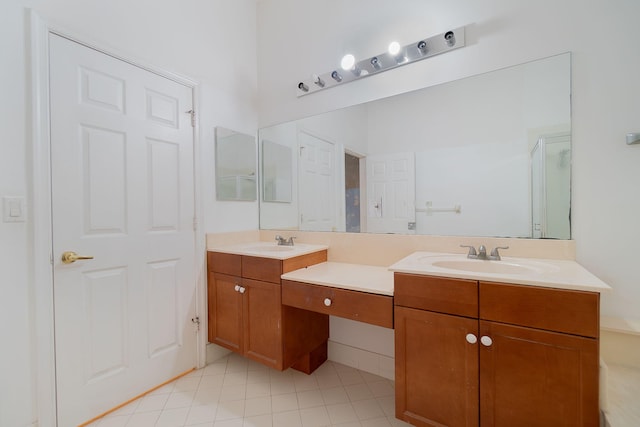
column 519, row 356
column 245, row 312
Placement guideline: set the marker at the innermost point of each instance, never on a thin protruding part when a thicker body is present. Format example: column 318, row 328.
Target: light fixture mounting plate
column 421, row 49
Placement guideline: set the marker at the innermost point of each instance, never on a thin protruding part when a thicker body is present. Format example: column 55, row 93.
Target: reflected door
column 318, row 190
column 122, row 191
column 391, row 193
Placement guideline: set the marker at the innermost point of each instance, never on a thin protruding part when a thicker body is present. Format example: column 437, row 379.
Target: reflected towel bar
column 430, row 209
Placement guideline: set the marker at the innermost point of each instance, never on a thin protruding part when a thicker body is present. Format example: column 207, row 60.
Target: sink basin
column 481, row 266
column 507, row 266
column 553, row 273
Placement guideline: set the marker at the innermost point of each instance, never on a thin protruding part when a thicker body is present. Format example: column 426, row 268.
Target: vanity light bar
column 425, row 48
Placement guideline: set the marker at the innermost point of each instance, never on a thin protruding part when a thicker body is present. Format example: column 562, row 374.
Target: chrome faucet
column 482, row 252
column 472, row 251
column 284, row 242
column 473, row 254
column 495, row 255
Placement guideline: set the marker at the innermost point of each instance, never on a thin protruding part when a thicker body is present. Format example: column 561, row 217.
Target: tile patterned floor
column 236, row 392
column 623, row 388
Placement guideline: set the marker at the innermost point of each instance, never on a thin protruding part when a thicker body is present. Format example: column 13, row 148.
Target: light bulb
column 394, row 48
column 348, row 61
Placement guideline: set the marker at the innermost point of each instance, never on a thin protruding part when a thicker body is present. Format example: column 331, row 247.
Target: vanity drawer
column 439, row 294
column 560, row 310
column 224, row 263
column 259, row 268
column 354, row 305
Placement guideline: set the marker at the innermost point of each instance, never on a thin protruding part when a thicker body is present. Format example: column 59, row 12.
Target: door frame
column 43, row 332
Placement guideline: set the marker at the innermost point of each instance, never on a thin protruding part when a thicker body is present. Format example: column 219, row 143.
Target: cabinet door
column 225, row 311
column 263, row 322
column 436, row 368
column 530, row 377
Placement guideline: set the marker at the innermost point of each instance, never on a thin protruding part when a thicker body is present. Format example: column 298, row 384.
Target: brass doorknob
column 69, row 257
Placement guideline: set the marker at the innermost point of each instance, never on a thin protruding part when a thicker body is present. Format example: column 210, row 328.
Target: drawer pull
column 242, row 289
column 472, row 339
column 486, row 341
column 237, row 288
column 327, row 302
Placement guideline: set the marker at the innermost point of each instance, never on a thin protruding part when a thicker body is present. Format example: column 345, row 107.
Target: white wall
column 16, row 316
column 212, row 42
column 299, row 38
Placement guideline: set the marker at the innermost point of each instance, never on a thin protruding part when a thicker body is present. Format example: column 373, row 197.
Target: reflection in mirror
column 235, row 165
column 276, row 172
column 550, row 189
column 454, row 159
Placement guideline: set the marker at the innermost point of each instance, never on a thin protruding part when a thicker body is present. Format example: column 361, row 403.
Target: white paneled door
column 391, row 193
column 318, row 191
column 123, row 193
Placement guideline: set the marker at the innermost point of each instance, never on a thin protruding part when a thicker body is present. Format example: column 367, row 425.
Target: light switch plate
column 13, row 209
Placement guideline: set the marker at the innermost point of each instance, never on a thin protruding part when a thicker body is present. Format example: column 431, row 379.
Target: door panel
column 436, row 369
column 537, row 378
column 225, row 311
column 263, row 322
column 122, row 192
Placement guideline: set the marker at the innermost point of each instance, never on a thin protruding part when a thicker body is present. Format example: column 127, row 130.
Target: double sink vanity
column 477, row 342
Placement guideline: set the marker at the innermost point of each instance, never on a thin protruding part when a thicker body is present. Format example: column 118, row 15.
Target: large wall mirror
column 235, row 165
column 488, row 155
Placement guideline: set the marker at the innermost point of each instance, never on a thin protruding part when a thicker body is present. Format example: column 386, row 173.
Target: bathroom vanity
column 509, row 343
column 245, row 310
column 512, row 342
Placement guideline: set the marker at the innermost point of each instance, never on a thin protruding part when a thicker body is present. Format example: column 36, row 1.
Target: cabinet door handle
column 242, row 289
column 486, row 341
column 472, row 339
column 327, row 302
column 237, row 288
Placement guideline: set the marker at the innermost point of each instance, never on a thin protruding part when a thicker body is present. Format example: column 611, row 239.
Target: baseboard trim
column 115, row 408
column 364, row 360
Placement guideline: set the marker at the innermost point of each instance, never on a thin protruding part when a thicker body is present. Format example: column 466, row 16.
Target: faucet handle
column 472, row 251
column 495, row 254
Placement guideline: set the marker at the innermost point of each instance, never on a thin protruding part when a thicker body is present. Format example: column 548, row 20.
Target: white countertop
column 269, row 249
column 355, row 277
column 549, row 273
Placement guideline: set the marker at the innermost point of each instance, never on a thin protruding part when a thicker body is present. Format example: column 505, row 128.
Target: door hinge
column 196, row 322
column 195, row 223
column 192, row 113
